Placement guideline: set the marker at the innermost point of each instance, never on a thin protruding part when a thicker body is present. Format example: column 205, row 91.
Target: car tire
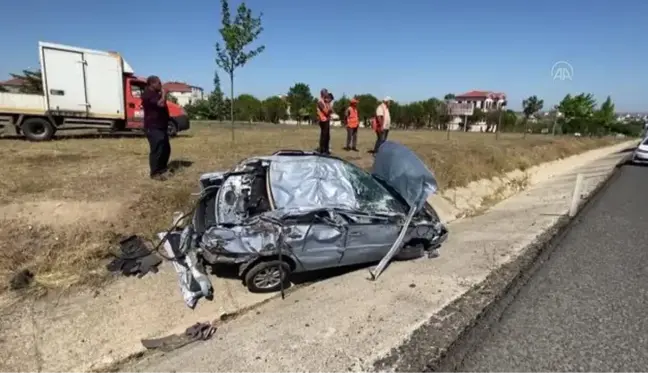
column 409, row 253
column 38, row 129
column 172, row 129
column 263, row 277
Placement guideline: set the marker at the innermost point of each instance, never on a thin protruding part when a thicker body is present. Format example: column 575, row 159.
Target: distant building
column 12, row 85
column 483, row 100
column 183, row 92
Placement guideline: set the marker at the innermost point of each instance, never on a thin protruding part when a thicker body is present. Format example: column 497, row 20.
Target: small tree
column 367, row 104
column 248, row 108
column 340, row 107
column 274, row 109
column 300, row 100
column 237, row 34
column 530, row 107
column 605, row 118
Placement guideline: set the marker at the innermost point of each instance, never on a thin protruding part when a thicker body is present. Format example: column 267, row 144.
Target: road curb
column 441, row 343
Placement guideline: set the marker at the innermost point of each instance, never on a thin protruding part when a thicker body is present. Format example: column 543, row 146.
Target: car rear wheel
column 267, row 277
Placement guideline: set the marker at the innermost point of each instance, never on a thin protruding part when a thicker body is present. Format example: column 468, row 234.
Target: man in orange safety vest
column 324, row 111
column 352, row 122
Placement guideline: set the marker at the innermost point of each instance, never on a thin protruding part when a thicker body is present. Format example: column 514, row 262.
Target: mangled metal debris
column 297, row 211
column 196, row 332
column 135, row 258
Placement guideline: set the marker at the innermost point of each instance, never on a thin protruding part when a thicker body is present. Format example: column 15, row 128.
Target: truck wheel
column 37, row 129
column 265, row 277
column 172, row 130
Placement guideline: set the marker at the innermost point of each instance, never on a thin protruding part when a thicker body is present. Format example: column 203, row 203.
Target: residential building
column 483, row 100
column 12, row 85
column 183, row 92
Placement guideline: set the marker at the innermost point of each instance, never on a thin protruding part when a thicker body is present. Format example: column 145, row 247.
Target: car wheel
column 266, row 277
column 409, row 253
column 37, row 129
column 172, row 129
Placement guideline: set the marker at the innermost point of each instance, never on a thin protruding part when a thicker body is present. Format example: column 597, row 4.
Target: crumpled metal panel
column 307, row 183
column 311, row 182
column 250, row 238
column 401, row 169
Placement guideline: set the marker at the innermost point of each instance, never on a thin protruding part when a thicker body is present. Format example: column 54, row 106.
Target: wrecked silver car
column 298, row 211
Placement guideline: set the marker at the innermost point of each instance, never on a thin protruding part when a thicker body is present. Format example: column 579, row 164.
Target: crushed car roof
column 310, row 182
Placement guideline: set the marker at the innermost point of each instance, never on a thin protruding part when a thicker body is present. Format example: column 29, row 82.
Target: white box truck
column 82, row 88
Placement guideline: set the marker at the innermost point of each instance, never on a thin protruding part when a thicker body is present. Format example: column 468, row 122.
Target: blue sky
column 408, row 49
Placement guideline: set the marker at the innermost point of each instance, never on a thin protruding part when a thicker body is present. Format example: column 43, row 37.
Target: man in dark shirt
column 156, row 123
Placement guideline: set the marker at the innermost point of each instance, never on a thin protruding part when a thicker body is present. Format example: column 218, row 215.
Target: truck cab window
column 136, row 90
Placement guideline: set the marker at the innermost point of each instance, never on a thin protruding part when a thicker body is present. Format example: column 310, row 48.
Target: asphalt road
column 586, row 308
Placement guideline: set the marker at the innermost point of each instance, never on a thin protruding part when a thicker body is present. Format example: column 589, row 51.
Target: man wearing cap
column 324, row 111
column 383, row 122
column 352, row 122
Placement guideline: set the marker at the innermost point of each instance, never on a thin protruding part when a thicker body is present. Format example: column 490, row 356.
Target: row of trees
column 578, row 114
column 575, row 113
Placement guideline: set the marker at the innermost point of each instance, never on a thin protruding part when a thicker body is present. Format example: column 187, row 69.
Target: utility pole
column 499, row 124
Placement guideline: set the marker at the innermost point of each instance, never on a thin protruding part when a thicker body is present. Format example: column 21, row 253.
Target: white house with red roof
column 483, row 100
column 183, row 92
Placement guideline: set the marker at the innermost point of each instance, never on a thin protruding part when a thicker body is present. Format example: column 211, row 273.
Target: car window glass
column 370, row 194
column 645, row 142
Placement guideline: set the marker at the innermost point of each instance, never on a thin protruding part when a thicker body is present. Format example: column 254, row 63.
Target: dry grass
column 63, row 202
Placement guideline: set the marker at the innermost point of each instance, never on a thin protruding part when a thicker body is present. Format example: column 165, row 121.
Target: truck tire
column 37, row 129
column 172, row 130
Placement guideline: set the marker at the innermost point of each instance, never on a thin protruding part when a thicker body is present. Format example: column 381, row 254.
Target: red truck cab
column 134, row 87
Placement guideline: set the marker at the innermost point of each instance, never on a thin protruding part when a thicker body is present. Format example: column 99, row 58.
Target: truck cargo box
column 20, row 103
column 84, row 82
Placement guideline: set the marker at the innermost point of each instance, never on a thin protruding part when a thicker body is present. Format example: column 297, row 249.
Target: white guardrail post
column 576, row 197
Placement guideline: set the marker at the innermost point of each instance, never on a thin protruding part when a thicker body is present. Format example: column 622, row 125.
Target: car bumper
column 183, row 122
column 640, row 157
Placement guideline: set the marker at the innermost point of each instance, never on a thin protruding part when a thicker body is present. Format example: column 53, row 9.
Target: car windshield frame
column 398, row 203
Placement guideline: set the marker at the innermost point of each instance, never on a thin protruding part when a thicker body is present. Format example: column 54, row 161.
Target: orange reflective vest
column 323, row 116
column 352, row 117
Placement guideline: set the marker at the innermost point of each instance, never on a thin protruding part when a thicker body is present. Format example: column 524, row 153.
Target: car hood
column 403, row 171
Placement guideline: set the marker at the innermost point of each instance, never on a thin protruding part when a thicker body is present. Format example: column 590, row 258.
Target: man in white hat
column 383, row 122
